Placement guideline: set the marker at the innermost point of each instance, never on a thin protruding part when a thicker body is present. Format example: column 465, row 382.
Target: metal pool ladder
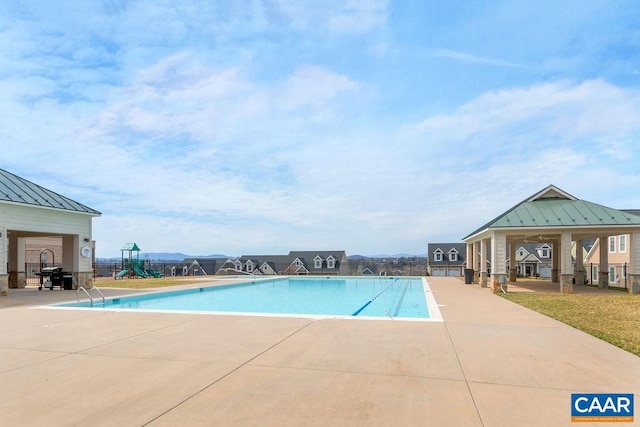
column 89, row 294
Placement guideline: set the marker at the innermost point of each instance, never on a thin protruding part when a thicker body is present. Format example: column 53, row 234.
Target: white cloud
column 471, row 58
column 553, row 111
column 312, row 87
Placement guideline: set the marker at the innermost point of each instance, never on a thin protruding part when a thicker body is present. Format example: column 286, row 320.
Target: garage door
column 454, row 272
column 545, row 272
column 437, row 271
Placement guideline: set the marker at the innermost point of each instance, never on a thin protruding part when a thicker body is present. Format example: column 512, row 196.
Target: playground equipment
column 135, row 267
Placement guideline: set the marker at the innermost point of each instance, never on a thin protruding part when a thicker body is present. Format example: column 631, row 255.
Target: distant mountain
column 398, row 255
column 167, row 256
column 175, row 256
column 358, row 257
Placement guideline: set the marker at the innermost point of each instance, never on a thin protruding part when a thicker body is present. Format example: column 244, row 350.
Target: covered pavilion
column 28, row 210
column 552, row 216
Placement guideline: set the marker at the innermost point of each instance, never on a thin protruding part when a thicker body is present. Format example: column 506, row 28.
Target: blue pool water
column 331, row 296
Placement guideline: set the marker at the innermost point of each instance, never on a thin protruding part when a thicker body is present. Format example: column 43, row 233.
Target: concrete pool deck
column 491, row 362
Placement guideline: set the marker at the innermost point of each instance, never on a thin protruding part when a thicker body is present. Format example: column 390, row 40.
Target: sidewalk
column 491, row 363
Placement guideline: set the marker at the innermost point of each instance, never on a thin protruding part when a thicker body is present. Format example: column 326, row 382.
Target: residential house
column 533, row 260
column 446, row 259
column 295, row 263
column 618, row 258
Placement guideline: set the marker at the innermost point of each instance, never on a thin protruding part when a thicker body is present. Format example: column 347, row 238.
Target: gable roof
column 553, row 207
column 446, row 249
column 15, row 189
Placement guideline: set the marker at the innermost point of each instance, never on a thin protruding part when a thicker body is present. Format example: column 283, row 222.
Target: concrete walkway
column 491, row 363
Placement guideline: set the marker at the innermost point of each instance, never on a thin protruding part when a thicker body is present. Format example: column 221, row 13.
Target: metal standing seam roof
column 559, row 212
column 563, row 213
column 19, row 190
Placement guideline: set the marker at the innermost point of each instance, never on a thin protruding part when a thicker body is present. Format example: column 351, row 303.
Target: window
column 545, row 253
column 612, row 274
column 594, row 274
column 317, row 262
column 249, row 266
column 331, row 263
column 622, row 243
column 437, row 255
column 453, row 256
column 612, row 244
column 521, row 253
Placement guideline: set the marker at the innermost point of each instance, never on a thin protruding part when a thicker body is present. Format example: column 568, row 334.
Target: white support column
column 579, row 273
column 555, row 261
column 566, row 267
column 17, row 274
column 71, row 257
column 4, row 277
column 468, row 279
column 603, row 268
column 633, row 271
column 476, row 262
column 513, row 265
column 498, row 262
column 484, row 249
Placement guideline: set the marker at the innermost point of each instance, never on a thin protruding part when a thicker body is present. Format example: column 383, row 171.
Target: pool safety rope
column 373, row 299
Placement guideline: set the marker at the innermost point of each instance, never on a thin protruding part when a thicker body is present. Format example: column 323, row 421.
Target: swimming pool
column 379, row 297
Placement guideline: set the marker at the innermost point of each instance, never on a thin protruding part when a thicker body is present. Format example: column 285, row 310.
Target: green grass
column 140, row 283
column 612, row 318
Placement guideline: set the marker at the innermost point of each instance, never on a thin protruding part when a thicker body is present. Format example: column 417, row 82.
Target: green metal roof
column 18, row 190
column 130, row 247
column 562, row 213
column 553, row 207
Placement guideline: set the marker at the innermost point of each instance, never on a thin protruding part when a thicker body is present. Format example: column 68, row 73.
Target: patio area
column 490, row 363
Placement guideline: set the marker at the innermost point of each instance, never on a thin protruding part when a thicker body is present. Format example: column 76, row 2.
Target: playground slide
column 122, row 273
column 140, row 272
column 154, row 273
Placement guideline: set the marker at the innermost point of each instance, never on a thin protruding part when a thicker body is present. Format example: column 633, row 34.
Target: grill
column 55, row 277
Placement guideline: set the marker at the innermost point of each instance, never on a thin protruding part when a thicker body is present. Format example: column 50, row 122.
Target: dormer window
column 437, row 255
column 331, row 262
column 317, row 262
column 453, row 255
column 544, row 251
column 249, row 266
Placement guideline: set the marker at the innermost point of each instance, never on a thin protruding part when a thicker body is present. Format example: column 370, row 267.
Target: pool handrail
column 89, row 294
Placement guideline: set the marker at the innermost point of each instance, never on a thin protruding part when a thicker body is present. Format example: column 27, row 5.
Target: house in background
column 618, row 256
column 533, row 260
column 446, row 259
column 295, row 263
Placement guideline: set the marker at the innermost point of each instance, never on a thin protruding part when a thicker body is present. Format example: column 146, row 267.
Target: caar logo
column 601, row 407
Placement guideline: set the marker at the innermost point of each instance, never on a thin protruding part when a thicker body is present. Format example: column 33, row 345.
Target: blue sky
column 259, row 127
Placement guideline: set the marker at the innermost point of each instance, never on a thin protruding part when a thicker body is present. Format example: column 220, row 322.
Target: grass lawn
column 612, row 318
column 140, row 283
